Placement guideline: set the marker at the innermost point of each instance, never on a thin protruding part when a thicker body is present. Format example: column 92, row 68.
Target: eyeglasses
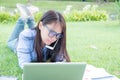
column 52, row 33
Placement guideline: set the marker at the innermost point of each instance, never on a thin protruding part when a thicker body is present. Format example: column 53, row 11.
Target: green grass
column 8, row 59
column 80, row 37
column 104, row 36
column 45, row 5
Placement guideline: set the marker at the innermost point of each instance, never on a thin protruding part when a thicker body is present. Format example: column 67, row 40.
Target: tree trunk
column 106, row 0
column 29, row 2
column 98, row 1
column 83, row 0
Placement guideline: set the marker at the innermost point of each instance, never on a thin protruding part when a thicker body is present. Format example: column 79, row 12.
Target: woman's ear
column 40, row 25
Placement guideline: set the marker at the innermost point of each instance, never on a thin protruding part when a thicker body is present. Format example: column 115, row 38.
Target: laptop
column 54, row 71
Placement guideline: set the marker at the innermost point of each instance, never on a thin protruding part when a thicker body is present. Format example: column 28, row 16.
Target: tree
column 106, row 0
column 118, row 8
column 117, row 0
column 29, row 1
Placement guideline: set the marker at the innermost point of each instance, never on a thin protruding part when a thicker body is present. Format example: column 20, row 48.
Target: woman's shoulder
column 28, row 33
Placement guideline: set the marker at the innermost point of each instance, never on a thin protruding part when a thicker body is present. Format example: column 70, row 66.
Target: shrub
column 86, row 15
column 6, row 17
column 38, row 16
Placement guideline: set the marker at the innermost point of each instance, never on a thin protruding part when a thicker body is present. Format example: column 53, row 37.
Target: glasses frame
column 52, row 33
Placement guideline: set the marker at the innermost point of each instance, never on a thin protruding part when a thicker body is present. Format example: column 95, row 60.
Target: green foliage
column 87, row 15
column 38, row 16
column 117, row 5
column 118, row 9
column 89, row 0
column 6, row 17
column 72, row 16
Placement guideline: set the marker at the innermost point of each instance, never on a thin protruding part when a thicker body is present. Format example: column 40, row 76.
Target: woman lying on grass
column 44, row 43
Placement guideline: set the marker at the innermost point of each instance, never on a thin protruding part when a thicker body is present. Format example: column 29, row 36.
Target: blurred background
column 110, row 8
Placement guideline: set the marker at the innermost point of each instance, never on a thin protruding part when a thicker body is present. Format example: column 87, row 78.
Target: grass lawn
column 97, row 43
column 45, row 5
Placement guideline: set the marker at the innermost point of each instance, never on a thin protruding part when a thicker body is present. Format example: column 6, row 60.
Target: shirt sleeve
column 23, row 58
column 24, row 49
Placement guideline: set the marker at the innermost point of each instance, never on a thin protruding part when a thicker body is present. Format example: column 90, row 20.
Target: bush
column 6, row 17
column 38, row 16
column 86, row 15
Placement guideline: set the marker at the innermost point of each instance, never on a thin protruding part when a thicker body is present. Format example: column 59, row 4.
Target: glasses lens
column 52, row 34
column 59, row 36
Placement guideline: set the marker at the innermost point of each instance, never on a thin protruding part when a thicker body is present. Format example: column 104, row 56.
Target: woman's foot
column 24, row 11
column 33, row 9
column 27, row 11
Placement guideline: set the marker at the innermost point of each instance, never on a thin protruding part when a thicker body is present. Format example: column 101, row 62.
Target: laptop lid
column 54, row 71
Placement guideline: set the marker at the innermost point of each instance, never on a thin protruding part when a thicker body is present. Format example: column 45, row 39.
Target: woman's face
column 50, row 32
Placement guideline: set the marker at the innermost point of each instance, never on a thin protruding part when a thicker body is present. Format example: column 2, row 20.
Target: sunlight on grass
column 96, row 43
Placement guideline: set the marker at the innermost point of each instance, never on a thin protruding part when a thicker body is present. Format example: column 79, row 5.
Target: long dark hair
column 60, row 49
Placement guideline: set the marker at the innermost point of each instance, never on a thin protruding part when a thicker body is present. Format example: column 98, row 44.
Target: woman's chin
column 48, row 43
